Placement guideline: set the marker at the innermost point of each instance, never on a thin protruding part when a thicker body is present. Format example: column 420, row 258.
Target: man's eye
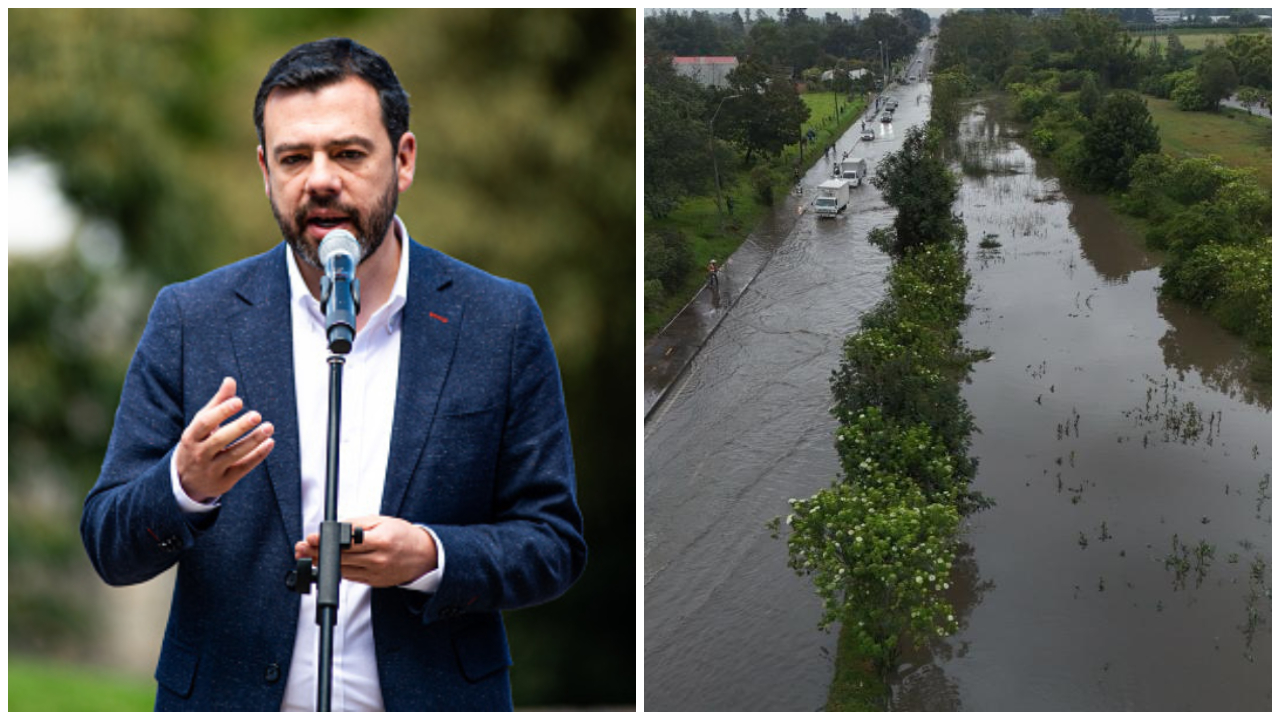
column 350, row 155
column 291, row 159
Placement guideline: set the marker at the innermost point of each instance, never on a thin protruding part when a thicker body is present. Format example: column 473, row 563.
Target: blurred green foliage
column 526, row 131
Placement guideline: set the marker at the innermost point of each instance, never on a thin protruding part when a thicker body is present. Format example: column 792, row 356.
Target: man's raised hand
column 214, row 454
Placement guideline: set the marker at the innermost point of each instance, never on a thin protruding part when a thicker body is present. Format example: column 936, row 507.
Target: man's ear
column 406, row 160
column 266, row 174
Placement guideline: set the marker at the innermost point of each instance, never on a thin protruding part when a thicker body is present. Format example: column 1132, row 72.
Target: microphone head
column 339, row 242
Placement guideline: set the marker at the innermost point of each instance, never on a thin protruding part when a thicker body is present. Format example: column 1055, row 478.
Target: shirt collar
column 387, row 315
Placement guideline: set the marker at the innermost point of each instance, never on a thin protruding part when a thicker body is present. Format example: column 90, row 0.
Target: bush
column 1121, row 131
column 1148, row 190
column 1043, row 141
column 1069, row 161
column 667, row 259
column 1032, row 101
column 1195, row 179
column 654, row 295
column 762, row 181
column 1205, row 223
column 1015, row 74
column 1160, row 86
column 880, row 556
column 1232, row 281
column 1187, row 93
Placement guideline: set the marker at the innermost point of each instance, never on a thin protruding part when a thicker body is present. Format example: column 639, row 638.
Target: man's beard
column 369, row 232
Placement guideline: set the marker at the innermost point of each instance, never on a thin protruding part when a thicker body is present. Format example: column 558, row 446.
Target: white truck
column 853, row 170
column 833, row 196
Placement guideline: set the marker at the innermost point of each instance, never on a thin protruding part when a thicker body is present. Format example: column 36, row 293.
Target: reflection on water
column 1113, row 254
column 1195, row 343
column 920, row 683
column 1127, row 562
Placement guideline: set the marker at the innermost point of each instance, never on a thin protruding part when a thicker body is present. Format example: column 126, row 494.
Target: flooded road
column 1127, row 564
column 728, row 626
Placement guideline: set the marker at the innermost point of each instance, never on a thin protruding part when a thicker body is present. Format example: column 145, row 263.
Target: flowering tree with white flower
column 879, row 551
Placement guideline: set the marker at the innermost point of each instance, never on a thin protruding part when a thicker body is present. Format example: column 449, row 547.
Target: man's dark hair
column 314, row 65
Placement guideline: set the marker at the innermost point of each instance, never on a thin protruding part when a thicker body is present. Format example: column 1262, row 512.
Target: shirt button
column 273, row 673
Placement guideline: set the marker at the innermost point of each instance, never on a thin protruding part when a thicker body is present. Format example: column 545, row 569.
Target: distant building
column 853, row 74
column 709, row 71
column 1165, row 16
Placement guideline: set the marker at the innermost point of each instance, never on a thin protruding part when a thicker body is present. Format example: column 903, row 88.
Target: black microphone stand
column 334, row 536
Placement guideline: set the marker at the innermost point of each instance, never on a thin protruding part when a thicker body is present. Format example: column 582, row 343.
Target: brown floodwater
column 1127, row 563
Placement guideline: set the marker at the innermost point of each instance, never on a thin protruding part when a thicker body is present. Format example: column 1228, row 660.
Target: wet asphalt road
column 727, row 625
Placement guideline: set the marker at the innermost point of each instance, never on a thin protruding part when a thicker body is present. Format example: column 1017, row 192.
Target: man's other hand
column 214, row 454
column 394, row 552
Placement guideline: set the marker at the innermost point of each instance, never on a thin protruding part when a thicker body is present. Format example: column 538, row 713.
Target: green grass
column 856, row 686
column 1241, row 140
column 46, row 685
column 698, row 220
column 1198, row 39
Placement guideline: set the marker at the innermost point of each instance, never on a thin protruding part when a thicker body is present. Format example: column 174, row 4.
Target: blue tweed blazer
column 480, row 452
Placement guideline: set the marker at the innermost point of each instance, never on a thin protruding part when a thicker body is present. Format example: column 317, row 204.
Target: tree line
column 1001, row 48
column 790, row 39
column 880, row 543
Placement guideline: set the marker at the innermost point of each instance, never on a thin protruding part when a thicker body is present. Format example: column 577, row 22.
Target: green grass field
column 37, row 685
column 1199, row 38
column 1241, row 140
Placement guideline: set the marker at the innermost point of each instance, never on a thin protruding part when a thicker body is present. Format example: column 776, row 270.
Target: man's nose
column 323, row 177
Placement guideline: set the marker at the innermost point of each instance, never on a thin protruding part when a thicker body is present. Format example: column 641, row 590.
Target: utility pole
column 715, row 165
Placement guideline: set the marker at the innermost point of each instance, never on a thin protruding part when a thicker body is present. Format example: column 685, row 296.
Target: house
column 709, row 71
column 1165, row 16
column 853, row 74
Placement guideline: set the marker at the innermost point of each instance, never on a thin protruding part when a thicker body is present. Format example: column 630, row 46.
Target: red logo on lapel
column 437, row 317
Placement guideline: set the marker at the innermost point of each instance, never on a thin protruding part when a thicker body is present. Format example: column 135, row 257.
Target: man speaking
column 455, row 456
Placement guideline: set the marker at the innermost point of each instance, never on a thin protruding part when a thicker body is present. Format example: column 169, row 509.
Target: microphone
column 339, row 289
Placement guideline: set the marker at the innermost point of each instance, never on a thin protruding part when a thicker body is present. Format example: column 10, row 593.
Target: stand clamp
column 304, row 575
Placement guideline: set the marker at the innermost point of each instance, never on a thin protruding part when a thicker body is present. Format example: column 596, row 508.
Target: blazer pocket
column 463, row 451
column 176, row 671
column 481, row 652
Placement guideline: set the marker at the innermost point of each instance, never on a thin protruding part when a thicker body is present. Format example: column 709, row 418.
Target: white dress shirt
column 368, row 409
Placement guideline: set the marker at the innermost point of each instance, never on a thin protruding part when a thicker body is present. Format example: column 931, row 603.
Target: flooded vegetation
column 1126, row 564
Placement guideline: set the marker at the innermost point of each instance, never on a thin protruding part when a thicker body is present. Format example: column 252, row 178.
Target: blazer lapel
column 262, row 336
column 431, row 324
